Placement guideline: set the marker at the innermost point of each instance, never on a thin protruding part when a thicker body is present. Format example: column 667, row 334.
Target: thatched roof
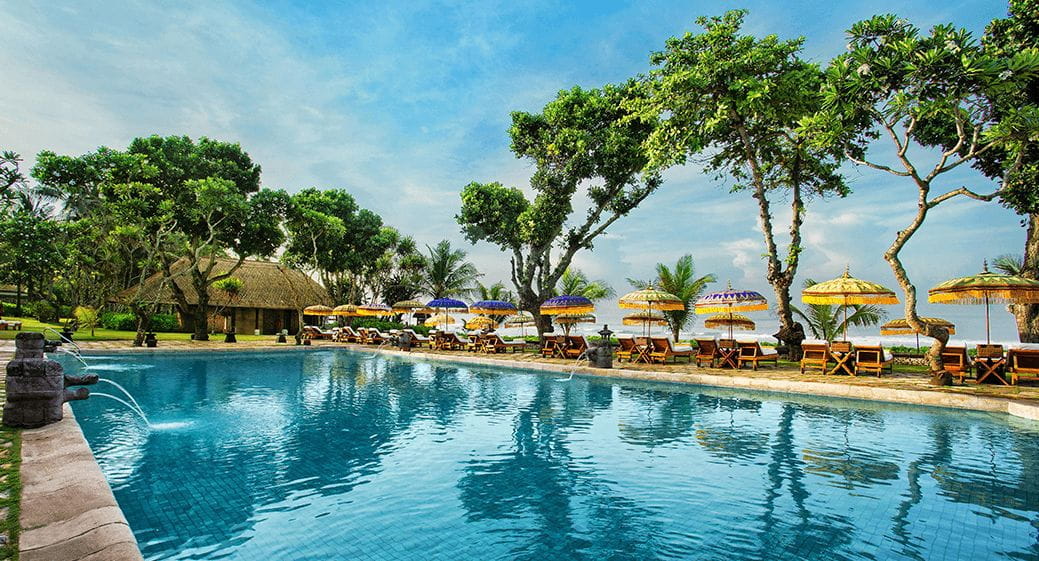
column 265, row 285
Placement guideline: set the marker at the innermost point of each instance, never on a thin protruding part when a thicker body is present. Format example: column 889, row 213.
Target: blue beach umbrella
column 447, row 304
column 567, row 305
column 493, row 307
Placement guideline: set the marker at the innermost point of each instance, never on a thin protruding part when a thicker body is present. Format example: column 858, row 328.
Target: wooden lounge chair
column 451, row 342
column 376, row 337
column 1024, row 362
column 706, row 349
column 493, row 343
column 815, row 353
column 872, row 358
column 625, row 347
column 419, row 340
column 957, row 361
column 752, row 352
column 552, row 343
column 310, row 332
column 662, row 350
column 576, row 345
column 473, row 343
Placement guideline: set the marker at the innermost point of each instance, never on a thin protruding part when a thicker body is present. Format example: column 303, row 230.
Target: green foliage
column 118, row 321
column 231, row 286
column 86, row 318
column 448, row 274
column 583, row 138
column 42, row 310
column 682, row 282
column 31, row 251
column 575, row 283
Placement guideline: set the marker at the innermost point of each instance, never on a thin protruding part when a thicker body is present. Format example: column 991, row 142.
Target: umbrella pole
column 845, row 318
column 988, row 338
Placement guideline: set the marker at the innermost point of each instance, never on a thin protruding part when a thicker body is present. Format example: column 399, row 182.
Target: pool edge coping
column 68, row 510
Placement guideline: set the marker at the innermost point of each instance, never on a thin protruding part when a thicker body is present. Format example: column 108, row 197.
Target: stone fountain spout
column 37, row 386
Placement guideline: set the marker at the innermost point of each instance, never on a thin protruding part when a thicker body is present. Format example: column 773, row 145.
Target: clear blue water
column 331, row 455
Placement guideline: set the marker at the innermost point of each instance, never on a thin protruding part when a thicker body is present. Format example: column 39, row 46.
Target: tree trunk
column 201, row 308
column 1027, row 315
column 18, row 300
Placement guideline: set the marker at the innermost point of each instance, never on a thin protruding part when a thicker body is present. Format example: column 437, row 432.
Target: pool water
column 341, row 455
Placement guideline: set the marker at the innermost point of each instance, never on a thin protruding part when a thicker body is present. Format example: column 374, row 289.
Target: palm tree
column 576, row 283
column 448, row 274
column 826, row 321
column 1009, row 264
column 682, row 282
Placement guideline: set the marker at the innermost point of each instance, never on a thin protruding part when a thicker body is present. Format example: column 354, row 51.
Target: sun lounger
column 493, row 343
column 375, row 337
column 576, row 345
column 1024, row 362
column 418, row 339
column 957, row 361
column 815, row 353
column 662, row 350
column 473, row 343
column 625, row 348
column 706, row 350
column 450, row 341
column 752, row 352
column 872, row 358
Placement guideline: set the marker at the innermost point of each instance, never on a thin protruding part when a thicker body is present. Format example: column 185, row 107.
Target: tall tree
column 682, row 282
column 741, row 98
column 920, row 92
column 11, row 177
column 333, row 237
column 31, row 251
column 827, row 321
column 448, row 274
column 1004, row 37
column 583, row 138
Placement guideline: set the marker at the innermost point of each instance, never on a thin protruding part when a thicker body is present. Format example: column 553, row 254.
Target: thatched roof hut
column 268, row 301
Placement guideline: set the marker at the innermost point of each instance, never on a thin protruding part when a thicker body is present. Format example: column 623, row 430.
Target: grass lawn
column 31, row 324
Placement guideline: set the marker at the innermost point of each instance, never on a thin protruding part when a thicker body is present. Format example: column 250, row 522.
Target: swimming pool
column 339, row 455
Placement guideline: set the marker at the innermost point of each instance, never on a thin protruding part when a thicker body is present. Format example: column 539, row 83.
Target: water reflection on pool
column 334, row 455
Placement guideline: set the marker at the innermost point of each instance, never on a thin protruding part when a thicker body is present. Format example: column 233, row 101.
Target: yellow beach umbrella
column 986, row 288
column 317, row 310
column 645, row 318
column 569, row 320
column 345, row 310
column 738, row 321
column 901, row 327
column 845, row 291
column 480, row 322
column 650, row 299
column 439, row 319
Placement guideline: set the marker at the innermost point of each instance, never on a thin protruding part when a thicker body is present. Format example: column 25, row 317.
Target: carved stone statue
column 36, row 385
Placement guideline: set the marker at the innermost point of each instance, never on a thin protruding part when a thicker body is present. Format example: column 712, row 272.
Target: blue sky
column 404, row 103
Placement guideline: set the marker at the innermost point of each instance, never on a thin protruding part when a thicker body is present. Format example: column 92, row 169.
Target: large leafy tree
column 31, row 251
column 448, row 274
column 919, row 93
column 1004, row 37
column 583, row 139
column 827, row 322
column 740, row 98
column 682, row 282
column 209, row 188
column 330, row 235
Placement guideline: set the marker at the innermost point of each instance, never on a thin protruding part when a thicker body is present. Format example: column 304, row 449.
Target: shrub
column 165, row 323
column 118, row 321
column 43, row 311
column 86, row 318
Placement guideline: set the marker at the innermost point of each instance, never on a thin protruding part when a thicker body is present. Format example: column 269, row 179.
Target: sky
column 404, row 103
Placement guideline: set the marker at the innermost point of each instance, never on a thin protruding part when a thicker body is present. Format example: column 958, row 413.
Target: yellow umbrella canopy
column 347, row 310
column 901, row 326
column 439, row 319
column 650, row 299
column 480, row 322
column 738, row 321
column 986, row 288
column 845, row 291
column 405, row 306
column 318, row 310
column 520, row 319
column 642, row 318
column 374, row 309
column 569, row 320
